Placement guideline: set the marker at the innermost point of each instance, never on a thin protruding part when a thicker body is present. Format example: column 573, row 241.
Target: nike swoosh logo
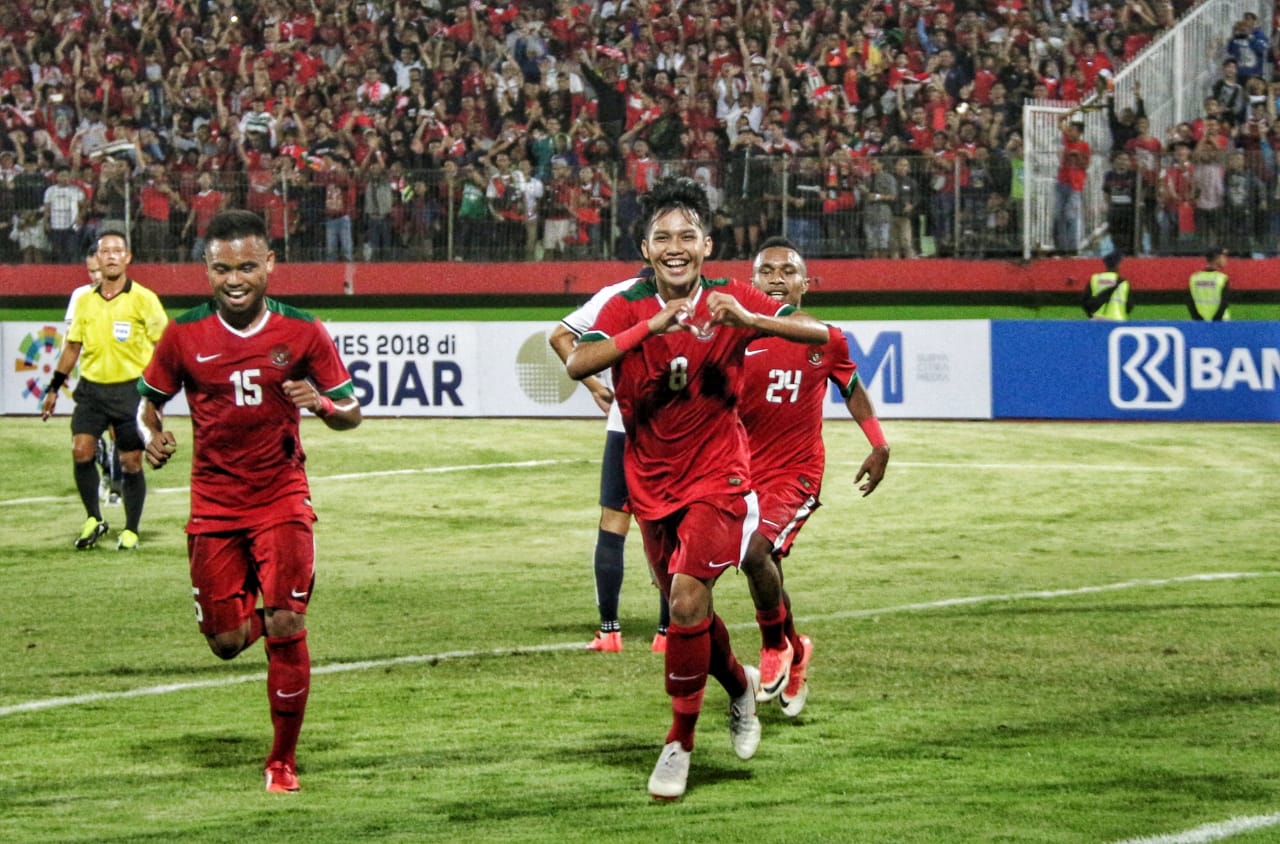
column 751, row 352
column 206, row 358
column 289, row 694
column 296, row 594
column 680, row 679
column 720, row 565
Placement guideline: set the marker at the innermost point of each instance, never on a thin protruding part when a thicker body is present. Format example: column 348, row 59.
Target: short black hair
column 1112, row 259
column 236, row 223
column 672, row 193
column 777, row 241
column 110, row 231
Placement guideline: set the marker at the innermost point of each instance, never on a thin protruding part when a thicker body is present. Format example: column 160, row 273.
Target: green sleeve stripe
column 848, row 391
column 149, row 392
column 345, row 390
column 593, row 337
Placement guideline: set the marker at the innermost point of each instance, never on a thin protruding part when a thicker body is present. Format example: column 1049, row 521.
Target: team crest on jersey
column 280, row 356
column 815, row 355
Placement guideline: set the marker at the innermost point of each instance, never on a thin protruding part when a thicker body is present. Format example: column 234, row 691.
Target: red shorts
column 230, row 570
column 785, row 505
column 702, row 540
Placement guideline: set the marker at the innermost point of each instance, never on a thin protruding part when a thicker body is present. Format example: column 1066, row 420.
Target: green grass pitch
column 1032, row 632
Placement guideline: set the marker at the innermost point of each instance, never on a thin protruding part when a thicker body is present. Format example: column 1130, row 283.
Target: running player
column 249, row 365
column 675, row 344
column 784, row 388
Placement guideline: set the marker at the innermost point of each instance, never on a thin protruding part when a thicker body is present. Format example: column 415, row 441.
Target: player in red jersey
column 248, row 365
column 675, row 344
column 783, row 391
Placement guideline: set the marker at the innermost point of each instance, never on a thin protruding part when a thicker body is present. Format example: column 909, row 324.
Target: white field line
column 1211, row 832
column 428, row 470
column 1056, row 467
column 527, row 464
column 364, row 665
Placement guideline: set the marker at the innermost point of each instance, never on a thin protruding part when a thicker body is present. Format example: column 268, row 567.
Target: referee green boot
column 93, row 530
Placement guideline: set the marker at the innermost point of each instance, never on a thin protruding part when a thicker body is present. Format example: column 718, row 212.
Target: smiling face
column 675, row 245
column 780, row 272
column 238, row 271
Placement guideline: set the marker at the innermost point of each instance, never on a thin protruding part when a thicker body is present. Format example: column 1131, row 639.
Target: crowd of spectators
column 390, row 129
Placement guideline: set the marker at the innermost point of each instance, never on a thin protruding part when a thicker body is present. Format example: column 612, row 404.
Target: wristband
column 56, row 382
column 326, row 407
column 875, row 436
column 632, row 337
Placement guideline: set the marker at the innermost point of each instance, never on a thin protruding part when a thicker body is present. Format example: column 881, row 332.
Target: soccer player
column 675, row 344
column 249, row 365
column 615, row 519
column 784, row 387
column 112, row 336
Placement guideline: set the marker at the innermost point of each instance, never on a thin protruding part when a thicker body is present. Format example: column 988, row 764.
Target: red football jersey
column 784, row 388
column 247, row 462
column 678, row 396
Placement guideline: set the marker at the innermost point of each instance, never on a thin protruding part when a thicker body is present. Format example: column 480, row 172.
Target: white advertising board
column 920, row 369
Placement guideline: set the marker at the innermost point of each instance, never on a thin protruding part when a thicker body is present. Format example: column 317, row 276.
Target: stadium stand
column 396, row 131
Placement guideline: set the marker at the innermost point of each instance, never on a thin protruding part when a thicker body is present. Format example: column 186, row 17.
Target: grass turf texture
column 477, row 716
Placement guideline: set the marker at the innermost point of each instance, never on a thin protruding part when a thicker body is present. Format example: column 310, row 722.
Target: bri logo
column 1147, row 368
column 881, row 363
column 1153, row 368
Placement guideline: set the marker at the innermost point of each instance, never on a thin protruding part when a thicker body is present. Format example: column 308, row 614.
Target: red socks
column 772, row 624
column 288, row 683
column 687, row 660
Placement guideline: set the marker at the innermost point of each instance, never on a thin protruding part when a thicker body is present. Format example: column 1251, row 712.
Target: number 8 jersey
column 247, row 463
column 678, row 398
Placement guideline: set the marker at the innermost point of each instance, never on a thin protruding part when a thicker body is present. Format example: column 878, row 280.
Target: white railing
column 1174, row 75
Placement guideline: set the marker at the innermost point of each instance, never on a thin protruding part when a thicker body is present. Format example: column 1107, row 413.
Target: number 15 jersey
column 247, row 462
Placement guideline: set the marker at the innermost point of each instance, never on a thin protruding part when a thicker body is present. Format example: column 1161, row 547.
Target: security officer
column 1107, row 296
column 1208, row 293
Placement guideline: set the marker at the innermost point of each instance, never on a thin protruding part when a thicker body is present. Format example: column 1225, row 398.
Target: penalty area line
column 417, row 659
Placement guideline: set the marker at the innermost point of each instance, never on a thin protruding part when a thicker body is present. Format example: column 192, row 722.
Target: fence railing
column 1173, row 75
column 960, row 205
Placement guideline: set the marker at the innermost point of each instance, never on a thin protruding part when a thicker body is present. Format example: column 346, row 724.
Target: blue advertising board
column 1167, row 371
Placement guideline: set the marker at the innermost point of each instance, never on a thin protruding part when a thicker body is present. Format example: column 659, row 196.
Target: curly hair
column 676, row 193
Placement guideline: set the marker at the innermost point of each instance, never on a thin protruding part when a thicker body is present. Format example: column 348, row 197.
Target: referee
column 115, row 327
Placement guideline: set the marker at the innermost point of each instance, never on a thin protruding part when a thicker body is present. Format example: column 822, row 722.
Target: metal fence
column 1173, row 75
column 962, row 205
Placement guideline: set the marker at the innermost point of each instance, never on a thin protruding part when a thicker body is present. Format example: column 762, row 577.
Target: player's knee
column 131, row 461
column 227, row 645
column 280, row 623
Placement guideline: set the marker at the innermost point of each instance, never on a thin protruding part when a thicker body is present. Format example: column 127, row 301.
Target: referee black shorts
column 102, row 406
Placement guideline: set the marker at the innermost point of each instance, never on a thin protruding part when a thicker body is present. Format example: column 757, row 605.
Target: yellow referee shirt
column 117, row 335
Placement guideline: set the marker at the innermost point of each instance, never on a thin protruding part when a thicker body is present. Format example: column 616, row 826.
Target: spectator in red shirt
column 204, row 205
column 1073, row 169
column 159, row 201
